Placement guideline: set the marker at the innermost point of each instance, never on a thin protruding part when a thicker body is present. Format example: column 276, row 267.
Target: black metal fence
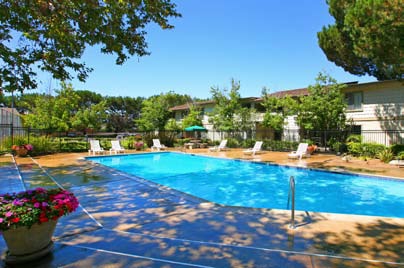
column 49, row 141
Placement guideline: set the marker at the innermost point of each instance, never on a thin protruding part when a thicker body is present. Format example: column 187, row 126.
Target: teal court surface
column 124, row 221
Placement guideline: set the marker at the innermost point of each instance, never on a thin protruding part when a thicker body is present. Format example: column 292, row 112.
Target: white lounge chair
column 95, row 147
column 255, row 149
column 157, row 145
column 116, row 147
column 300, row 152
column 220, row 147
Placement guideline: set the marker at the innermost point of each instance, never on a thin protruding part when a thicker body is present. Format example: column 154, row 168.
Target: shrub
column 367, row 150
column 385, row 155
column 400, row 155
column 372, row 149
column 44, row 145
column 232, row 143
column 280, row 146
column 354, row 148
column 354, row 138
column 248, row 143
column 396, row 149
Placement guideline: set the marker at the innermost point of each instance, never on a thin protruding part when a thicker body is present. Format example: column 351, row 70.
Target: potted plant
column 138, row 145
column 22, row 150
column 28, row 220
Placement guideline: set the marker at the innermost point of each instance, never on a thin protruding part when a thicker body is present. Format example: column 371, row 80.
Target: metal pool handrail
column 291, row 195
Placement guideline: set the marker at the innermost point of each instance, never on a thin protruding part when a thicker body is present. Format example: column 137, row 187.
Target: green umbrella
column 195, row 128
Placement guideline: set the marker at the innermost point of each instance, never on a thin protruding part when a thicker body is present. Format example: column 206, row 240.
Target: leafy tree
column 41, row 116
column 54, row 34
column 367, row 37
column 155, row 110
column 122, row 113
column 54, row 112
column 88, row 98
column 92, row 117
column 229, row 114
column 193, row 118
column 324, row 107
column 277, row 109
column 172, row 125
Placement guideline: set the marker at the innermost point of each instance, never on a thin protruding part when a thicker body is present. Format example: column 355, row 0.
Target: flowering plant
column 27, row 147
column 138, row 145
column 35, row 206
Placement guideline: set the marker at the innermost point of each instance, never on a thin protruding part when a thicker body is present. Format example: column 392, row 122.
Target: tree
column 122, row 113
column 54, row 112
column 54, row 34
column 172, row 125
column 155, row 110
column 324, row 107
column 229, row 113
column 193, row 118
column 367, row 37
column 92, row 117
column 277, row 109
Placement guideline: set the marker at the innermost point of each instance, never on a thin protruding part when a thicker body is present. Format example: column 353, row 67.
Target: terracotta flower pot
column 27, row 244
column 21, row 151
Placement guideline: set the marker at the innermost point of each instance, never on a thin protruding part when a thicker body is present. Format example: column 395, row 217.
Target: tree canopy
column 229, row 114
column 324, row 107
column 277, row 109
column 155, row 110
column 193, row 118
column 367, row 37
column 53, row 35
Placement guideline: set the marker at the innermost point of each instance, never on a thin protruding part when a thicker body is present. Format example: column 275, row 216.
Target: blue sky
column 270, row 43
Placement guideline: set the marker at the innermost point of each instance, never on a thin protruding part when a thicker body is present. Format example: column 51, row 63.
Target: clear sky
column 270, row 43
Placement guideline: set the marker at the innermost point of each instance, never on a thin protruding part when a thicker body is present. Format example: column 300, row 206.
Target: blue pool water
column 247, row 184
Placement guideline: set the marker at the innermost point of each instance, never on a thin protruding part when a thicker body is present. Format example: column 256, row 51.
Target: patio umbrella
column 195, row 128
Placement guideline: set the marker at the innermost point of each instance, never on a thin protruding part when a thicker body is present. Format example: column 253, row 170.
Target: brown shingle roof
column 292, row 93
column 186, row 106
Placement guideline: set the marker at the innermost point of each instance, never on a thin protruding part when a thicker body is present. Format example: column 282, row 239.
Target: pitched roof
column 187, row 106
column 292, row 93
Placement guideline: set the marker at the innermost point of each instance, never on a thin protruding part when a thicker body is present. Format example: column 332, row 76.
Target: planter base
column 15, row 259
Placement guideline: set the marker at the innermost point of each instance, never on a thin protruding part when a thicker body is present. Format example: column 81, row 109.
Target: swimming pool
column 248, row 184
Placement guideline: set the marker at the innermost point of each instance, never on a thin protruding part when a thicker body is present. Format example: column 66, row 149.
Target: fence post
column 60, row 142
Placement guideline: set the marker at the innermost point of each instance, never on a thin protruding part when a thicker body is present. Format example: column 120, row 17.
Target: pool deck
column 125, row 221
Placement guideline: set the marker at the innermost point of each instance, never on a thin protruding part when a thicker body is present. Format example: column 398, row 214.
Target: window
column 354, row 100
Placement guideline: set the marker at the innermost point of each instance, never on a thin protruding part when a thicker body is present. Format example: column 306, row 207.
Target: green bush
column 73, row 146
column 354, row 148
column 385, row 155
column 44, row 145
column 367, row 150
column 400, row 155
column 372, row 149
column 181, row 142
column 248, row 143
column 232, row 143
column 128, row 142
column 280, row 146
column 354, row 138
column 397, row 148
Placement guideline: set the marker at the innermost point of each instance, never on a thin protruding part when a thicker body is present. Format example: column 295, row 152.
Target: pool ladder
column 291, row 199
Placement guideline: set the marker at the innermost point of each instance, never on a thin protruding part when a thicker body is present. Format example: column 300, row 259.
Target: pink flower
column 37, row 205
column 9, row 214
column 1, row 220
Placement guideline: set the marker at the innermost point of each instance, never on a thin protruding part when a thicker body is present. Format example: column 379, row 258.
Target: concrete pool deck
column 128, row 222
